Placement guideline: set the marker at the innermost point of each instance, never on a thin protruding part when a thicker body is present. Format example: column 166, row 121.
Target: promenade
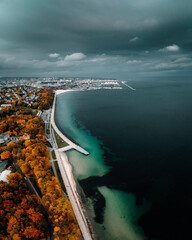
column 67, row 175
column 69, row 142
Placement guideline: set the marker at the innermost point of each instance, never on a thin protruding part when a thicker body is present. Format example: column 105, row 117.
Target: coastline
column 71, row 145
column 67, row 174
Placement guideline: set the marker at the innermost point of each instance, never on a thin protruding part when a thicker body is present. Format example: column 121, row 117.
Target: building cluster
column 62, row 83
column 24, row 94
column 94, row 84
column 5, row 138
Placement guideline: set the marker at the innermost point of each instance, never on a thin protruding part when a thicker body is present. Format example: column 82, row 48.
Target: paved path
column 64, row 149
column 66, row 173
column 69, row 142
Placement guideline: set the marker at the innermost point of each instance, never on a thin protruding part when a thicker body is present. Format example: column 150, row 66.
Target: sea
column 136, row 182
column 2, row 166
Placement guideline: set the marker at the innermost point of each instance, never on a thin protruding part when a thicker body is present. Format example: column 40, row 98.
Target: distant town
column 25, row 89
column 61, row 83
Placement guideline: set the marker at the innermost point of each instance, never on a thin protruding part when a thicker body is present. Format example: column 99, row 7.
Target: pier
column 133, row 89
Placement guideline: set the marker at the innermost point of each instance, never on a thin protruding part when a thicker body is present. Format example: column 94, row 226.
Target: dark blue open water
column 137, row 178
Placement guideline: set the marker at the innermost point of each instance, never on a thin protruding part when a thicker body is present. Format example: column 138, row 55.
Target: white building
column 26, row 136
column 4, row 138
column 4, row 174
column 15, row 139
column 5, row 105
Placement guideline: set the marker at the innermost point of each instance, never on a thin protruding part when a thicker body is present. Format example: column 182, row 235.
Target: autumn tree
column 11, row 145
column 3, row 127
column 45, row 99
column 21, row 215
column 5, row 155
column 2, row 149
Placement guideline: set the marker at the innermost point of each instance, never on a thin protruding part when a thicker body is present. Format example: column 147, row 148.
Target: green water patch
column 121, row 215
column 91, row 165
column 84, row 166
column 2, row 165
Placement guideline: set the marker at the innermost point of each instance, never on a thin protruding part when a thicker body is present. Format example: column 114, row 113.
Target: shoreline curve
column 67, row 174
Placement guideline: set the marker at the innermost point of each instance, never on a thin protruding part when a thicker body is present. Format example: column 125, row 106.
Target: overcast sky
column 123, row 39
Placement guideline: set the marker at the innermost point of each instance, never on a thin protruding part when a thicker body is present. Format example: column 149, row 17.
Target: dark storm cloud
column 124, row 30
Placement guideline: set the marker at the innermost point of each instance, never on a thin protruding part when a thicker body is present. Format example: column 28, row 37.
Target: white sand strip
column 67, row 175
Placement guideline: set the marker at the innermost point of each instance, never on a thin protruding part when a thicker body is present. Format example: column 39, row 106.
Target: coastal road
column 66, row 173
column 28, row 183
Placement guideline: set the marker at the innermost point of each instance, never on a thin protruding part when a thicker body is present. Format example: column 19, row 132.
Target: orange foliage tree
column 11, row 145
column 45, row 99
column 35, row 163
column 3, row 127
column 21, row 215
column 5, row 155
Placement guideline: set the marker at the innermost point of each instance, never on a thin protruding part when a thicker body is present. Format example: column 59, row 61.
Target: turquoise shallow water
column 121, row 213
column 84, row 167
